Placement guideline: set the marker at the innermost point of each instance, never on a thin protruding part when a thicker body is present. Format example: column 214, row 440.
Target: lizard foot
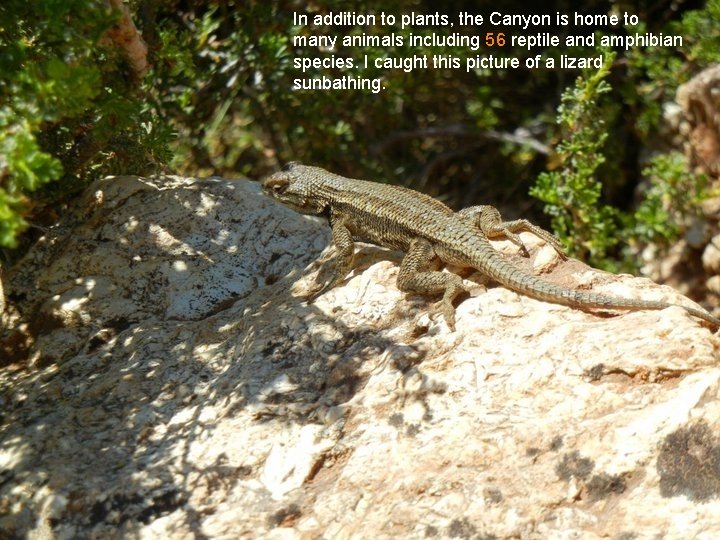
column 446, row 307
column 448, row 312
column 488, row 220
column 321, row 287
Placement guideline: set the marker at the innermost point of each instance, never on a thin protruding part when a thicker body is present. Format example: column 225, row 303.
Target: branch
column 520, row 136
column 125, row 36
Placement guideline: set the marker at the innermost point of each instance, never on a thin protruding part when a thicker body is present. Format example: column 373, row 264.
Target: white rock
column 711, row 256
column 184, row 390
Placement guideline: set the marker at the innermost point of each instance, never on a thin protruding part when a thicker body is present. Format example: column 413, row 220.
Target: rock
column 699, row 99
column 695, row 126
column 710, row 207
column 711, row 256
column 180, row 387
column 713, row 284
column 697, row 234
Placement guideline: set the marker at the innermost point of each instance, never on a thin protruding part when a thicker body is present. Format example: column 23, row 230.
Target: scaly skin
column 425, row 229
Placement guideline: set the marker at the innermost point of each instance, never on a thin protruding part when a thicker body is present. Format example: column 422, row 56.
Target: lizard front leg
column 342, row 260
column 414, row 277
column 487, row 219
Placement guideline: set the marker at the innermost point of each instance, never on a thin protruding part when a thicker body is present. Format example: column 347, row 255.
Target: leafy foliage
column 430, row 129
column 68, row 110
column 577, row 194
column 655, row 73
column 674, row 194
column 219, row 95
column 572, row 193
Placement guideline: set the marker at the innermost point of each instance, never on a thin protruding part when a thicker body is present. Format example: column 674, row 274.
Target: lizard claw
column 315, row 292
column 446, row 304
column 310, row 298
column 449, row 314
column 321, row 288
column 446, row 310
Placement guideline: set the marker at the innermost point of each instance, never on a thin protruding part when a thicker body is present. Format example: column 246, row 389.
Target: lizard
column 427, row 231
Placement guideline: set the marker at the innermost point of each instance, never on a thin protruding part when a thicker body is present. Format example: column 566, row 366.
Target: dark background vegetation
column 217, row 101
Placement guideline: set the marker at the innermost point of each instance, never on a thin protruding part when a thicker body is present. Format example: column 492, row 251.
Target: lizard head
column 295, row 187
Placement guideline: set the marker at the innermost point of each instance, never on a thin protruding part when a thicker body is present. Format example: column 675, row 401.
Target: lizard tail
column 494, row 265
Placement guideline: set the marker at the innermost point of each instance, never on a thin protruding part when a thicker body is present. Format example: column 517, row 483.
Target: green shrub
column 674, row 194
column 69, row 110
column 591, row 229
column 572, row 193
column 221, row 77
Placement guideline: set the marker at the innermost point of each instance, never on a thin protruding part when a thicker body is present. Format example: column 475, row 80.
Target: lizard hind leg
column 487, row 219
column 414, row 277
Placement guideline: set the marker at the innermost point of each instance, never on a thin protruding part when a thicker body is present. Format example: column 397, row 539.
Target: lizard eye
column 278, row 187
column 277, row 184
column 289, row 165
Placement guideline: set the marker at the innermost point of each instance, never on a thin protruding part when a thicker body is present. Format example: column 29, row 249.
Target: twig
column 125, row 36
